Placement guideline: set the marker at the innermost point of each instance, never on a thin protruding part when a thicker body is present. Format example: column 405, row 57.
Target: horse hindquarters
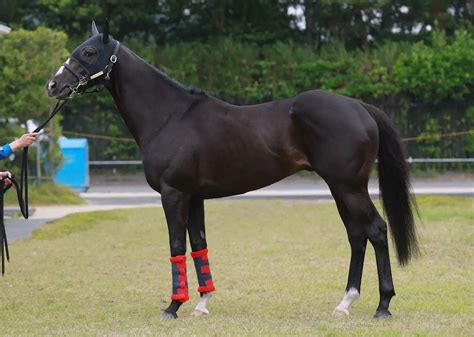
column 341, row 141
column 340, row 138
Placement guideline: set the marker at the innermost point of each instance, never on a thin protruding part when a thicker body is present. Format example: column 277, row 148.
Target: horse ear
column 94, row 29
column 105, row 34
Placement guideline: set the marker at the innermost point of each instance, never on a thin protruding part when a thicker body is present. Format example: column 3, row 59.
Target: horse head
column 89, row 65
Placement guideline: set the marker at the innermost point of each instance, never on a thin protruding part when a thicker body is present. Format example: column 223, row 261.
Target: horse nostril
column 52, row 85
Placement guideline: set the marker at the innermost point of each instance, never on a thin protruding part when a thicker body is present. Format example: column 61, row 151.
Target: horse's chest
column 173, row 163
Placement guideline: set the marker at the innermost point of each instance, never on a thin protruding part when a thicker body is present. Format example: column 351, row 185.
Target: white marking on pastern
column 343, row 307
column 201, row 307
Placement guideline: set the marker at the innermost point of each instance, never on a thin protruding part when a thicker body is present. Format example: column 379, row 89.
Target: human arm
column 24, row 141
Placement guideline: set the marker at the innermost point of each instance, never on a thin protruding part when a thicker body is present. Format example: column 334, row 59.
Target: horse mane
column 160, row 72
column 176, row 83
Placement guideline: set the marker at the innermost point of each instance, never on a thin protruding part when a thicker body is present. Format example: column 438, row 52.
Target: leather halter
column 84, row 77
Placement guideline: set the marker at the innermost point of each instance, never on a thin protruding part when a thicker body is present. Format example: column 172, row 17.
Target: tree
column 11, row 12
column 28, row 59
column 358, row 23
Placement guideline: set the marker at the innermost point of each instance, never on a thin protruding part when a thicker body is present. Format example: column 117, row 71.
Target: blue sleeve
column 5, row 151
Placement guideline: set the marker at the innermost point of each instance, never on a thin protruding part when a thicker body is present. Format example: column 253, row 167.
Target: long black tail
column 394, row 183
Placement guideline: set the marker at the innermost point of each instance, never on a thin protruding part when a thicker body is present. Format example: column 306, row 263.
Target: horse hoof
column 166, row 314
column 340, row 313
column 199, row 313
column 382, row 314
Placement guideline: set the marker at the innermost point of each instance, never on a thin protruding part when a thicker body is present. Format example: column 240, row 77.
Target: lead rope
column 21, row 190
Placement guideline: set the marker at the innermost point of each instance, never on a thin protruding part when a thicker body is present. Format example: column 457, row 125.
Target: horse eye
column 89, row 53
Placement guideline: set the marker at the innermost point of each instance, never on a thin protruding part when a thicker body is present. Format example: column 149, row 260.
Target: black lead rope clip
column 21, row 190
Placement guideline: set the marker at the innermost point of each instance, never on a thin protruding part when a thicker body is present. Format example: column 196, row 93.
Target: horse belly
column 237, row 174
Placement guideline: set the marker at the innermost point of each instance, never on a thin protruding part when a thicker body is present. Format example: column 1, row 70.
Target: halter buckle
column 73, row 93
column 83, row 81
column 113, row 58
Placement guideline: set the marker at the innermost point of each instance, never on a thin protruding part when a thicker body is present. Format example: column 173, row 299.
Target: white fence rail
column 409, row 160
column 440, row 160
column 114, row 162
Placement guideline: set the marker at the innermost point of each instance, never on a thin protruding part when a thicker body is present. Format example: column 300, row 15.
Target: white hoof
column 200, row 312
column 339, row 312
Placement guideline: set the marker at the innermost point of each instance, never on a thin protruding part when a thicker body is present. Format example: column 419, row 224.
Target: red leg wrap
column 203, row 271
column 180, row 280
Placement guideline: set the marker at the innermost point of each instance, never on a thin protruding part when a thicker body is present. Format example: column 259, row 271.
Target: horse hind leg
column 377, row 233
column 348, row 203
column 363, row 223
column 358, row 242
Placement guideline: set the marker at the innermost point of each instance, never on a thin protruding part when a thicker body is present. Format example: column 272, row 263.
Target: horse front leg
column 197, row 236
column 176, row 205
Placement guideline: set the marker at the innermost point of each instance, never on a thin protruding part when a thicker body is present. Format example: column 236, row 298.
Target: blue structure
column 74, row 172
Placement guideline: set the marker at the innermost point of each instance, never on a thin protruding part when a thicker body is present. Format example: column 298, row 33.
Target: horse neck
column 145, row 97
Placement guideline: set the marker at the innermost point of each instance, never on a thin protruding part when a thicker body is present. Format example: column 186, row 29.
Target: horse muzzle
column 56, row 91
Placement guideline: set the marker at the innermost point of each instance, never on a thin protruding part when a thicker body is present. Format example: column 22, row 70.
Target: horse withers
column 196, row 147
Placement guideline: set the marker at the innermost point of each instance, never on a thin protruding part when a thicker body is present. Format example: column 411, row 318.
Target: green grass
column 46, row 194
column 280, row 268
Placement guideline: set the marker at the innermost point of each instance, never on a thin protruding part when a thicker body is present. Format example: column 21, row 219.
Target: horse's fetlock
column 387, row 291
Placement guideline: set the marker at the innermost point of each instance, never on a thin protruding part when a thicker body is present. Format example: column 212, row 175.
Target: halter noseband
column 83, row 76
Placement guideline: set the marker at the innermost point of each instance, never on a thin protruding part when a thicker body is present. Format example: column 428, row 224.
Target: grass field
column 47, row 194
column 280, row 268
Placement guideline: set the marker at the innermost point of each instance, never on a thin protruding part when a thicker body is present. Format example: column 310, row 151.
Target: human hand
column 6, row 175
column 24, row 141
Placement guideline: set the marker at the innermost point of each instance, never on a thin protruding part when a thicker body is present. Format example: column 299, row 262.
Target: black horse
column 196, row 147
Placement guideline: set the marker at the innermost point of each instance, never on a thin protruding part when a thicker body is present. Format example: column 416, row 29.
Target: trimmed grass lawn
column 280, row 268
column 46, row 194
